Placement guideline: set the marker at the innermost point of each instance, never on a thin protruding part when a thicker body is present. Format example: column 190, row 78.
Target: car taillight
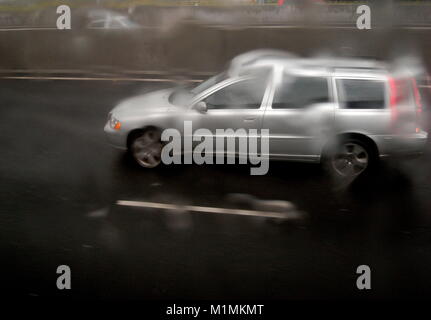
column 393, row 98
column 417, row 94
column 401, row 90
column 418, row 103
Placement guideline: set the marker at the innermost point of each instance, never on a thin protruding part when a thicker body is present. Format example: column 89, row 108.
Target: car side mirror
column 201, row 106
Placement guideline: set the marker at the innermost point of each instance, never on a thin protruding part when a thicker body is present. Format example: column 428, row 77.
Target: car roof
column 250, row 57
column 258, row 58
column 293, row 64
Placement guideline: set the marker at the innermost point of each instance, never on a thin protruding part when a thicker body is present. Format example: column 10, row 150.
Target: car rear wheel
column 146, row 148
column 350, row 158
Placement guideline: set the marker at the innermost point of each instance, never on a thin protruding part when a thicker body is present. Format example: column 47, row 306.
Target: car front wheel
column 146, row 148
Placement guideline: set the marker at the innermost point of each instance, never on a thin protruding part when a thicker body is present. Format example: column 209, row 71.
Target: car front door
column 233, row 104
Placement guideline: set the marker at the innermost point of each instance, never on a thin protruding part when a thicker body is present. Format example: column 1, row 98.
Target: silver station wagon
column 346, row 113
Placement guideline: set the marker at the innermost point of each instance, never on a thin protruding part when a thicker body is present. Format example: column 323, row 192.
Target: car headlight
column 114, row 122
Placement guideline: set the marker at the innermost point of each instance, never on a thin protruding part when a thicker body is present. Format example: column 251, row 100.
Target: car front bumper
column 116, row 138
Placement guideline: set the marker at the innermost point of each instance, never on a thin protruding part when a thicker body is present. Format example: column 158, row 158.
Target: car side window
column 299, row 92
column 246, row 94
column 361, row 94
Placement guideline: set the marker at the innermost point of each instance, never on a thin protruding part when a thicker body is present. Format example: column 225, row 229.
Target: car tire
column 146, row 148
column 349, row 158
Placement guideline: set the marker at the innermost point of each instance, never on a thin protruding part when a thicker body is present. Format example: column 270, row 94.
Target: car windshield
column 180, row 96
column 209, row 83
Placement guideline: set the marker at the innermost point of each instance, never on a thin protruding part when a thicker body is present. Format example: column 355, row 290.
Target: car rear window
column 361, row 94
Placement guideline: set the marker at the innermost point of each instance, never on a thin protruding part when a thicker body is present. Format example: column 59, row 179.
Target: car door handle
column 249, row 119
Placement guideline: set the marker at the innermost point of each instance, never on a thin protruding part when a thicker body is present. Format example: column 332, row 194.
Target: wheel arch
column 138, row 131
column 350, row 135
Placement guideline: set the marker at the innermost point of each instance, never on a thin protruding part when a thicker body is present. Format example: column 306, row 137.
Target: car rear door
column 300, row 116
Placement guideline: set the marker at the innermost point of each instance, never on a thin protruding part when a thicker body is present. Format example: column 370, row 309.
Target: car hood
column 157, row 101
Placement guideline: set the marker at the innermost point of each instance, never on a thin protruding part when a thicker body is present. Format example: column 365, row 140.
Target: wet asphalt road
column 60, row 181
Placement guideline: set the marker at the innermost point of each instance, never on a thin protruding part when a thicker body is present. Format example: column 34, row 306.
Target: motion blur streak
column 98, row 79
column 166, row 206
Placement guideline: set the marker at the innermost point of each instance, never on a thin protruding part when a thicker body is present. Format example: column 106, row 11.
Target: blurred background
column 199, row 36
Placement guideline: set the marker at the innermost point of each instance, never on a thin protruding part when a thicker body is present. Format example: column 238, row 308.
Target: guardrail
column 189, row 48
column 208, row 38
